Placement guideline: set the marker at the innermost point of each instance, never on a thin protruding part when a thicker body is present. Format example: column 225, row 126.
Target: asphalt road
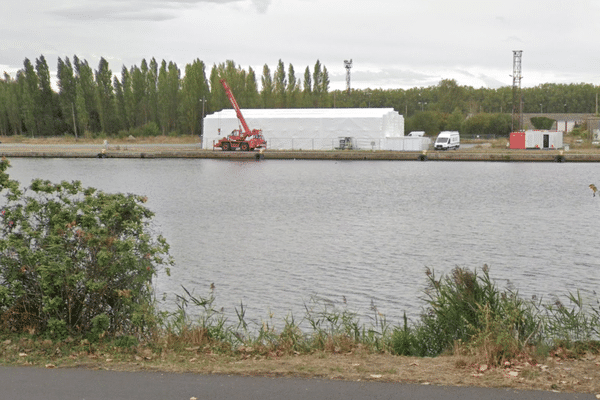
column 18, row 383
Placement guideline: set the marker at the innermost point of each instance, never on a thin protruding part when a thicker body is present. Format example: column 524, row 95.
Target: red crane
column 243, row 138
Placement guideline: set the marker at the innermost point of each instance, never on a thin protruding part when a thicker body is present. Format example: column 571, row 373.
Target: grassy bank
column 464, row 313
column 470, row 333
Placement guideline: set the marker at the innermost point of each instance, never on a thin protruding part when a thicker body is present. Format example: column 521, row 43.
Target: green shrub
column 404, row 341
column 100, row 326
column 75, row 260
column 542, row 122
column 469, row 309
column 57, row 329
column 487, row 124
column 122, row 134
column 125, row 341
column 150, row 129
column 580, row 131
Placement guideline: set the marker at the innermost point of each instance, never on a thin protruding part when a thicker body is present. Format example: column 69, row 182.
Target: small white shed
column 311, row 128
column 543, row 139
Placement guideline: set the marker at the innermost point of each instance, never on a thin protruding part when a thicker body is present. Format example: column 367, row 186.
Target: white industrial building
column 318, row 128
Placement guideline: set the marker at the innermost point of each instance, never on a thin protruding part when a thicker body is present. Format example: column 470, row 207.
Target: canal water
column 356, row 235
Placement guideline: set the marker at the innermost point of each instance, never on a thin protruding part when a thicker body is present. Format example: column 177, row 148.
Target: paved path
column 20, row 383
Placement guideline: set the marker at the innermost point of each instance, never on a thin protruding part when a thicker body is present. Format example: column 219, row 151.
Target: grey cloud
column 514, row 39
column 154, row 10
column 122, row 12
column 393, row 78
column 261, row 5
column 491, row 82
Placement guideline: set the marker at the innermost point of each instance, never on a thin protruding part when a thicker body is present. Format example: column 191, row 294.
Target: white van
column 447, row 140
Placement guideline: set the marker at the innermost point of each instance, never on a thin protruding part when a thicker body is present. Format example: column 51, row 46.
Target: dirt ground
column 555, row 374
column 558, row 374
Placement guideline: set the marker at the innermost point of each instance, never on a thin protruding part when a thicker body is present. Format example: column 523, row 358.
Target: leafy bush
column 487, row 124
column 76, row 260
column 428, row 121
column 580, row 131
column 150, row 129
column 542, row 122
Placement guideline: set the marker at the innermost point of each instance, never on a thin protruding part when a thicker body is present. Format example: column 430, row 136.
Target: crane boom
column 234, row 103
column 246, row 139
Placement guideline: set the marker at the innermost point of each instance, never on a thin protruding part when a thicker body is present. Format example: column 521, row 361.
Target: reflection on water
column 271, row 234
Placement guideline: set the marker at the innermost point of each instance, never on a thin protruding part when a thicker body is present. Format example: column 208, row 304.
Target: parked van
column 447, row 140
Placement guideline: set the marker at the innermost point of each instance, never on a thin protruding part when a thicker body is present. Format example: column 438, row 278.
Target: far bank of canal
column 193, row 151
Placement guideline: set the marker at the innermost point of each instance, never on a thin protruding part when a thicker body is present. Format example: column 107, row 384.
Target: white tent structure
column 314, row 128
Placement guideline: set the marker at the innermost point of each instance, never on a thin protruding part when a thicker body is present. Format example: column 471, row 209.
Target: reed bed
column 464, row 313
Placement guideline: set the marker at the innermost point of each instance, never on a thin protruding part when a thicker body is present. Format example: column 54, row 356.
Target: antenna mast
column 517, row 110
column 348, row 65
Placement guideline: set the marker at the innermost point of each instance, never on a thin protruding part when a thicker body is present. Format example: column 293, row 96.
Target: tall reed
column 464, row 311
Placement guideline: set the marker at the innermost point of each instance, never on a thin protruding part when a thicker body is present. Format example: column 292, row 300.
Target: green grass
column 464, row 313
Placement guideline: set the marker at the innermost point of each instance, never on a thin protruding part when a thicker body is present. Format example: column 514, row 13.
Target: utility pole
column 203, row 100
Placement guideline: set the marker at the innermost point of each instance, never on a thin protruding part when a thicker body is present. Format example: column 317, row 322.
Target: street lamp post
column 566, row 120
column 203, row 100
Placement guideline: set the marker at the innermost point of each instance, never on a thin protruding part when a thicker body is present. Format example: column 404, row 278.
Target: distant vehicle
column 447, row 140
column 417, row 133
column 243, row 138
column 346, row 143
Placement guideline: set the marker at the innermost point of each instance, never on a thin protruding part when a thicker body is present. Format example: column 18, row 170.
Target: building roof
column 305, row 113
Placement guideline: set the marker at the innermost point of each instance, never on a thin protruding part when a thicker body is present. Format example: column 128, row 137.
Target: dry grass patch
column 558, row 374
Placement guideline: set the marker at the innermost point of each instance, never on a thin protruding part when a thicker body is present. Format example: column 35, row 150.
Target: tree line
column 153, row 98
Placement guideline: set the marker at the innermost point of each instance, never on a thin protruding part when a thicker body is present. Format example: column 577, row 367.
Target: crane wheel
column 226, row 146
column 244, row 147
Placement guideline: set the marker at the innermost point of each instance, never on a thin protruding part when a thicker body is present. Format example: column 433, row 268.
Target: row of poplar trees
column 152, row 97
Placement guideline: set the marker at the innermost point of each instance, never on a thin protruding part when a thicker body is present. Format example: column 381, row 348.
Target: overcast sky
column 393, row 43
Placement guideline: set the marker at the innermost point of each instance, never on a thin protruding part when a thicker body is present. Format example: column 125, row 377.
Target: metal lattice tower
column 348, row 65
column 517, row 111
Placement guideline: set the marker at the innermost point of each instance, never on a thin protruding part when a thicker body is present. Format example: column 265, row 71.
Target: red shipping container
column 517, row 140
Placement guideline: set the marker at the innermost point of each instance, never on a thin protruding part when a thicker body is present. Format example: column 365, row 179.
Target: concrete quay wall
column 191, row 151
